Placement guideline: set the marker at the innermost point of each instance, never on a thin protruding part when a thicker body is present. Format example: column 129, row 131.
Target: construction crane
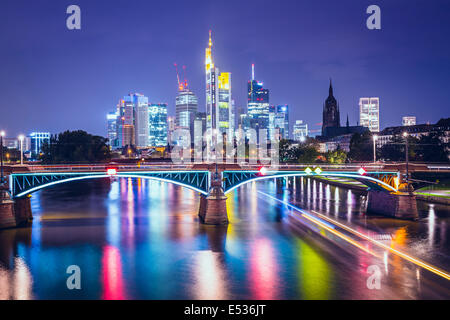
column 184, row 76
column 180, row 84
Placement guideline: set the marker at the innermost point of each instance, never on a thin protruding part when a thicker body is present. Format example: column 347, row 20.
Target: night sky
column 53, row 79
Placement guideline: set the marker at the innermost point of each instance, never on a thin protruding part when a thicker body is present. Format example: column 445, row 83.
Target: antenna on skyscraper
column 253, row 71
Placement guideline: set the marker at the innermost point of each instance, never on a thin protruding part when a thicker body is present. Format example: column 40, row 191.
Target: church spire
column 331, row 89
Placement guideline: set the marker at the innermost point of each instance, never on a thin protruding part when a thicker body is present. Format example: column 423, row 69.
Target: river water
column 141, row 239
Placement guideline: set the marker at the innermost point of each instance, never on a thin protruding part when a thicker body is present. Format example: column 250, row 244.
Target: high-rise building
column 157, row 124
column 409, row 121
column 300, row 131
column 258, row 108
column 125, row 122
column 331, row 113
column 141, row 125
column 369, row 113
column 112, row 117
column 186, row 106
column 37, row 139
column 131, row 121
column 170, row 129
column 281, row 121
column 218, row 96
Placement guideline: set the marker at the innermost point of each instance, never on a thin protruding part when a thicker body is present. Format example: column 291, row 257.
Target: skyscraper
column 140, row 103
column 331, row 114
column 258, row 104
column 218, row 96
column 112, row 117
column 282, row 120
column 300, row 131
column 186, row 107
column 157, row 124
column 369, row 113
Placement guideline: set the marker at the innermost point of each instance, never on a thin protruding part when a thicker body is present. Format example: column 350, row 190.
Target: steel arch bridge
column 22, row 184
column 381, row 181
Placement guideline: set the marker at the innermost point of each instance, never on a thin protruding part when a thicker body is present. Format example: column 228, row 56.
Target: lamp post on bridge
column 2, row 134
column 405, row 134
column 21, row 137
column 375, row 137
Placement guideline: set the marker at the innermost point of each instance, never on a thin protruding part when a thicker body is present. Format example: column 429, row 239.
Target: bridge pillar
column 13, row 213
column 22, row 210
column 7, row 219
column 213, row 207
column 400, row 205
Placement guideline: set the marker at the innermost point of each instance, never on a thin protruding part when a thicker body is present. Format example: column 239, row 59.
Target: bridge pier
column 401, row 205
column 213, row 207
column 22, row 211
column 7, row 218
column 13, row 213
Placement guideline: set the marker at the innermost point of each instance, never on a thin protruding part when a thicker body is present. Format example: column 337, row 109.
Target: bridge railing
column 100, row 168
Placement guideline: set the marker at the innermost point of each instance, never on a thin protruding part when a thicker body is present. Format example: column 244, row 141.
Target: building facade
column 111, row 118
column 37, row 139
column 186, row 107
column 157, row 125
column 409, row 121
column 369, row 113
column 281, row 121
column 300, row 131
column 258, row 107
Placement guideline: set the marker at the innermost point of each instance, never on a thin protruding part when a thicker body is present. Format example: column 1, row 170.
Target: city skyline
column 294, row 69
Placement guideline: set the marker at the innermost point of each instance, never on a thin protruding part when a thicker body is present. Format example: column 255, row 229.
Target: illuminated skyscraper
column 369, row 113
column 37, row 140
column 218, row 97
column 157, row 124
column 112, row 117
column 186, row 106
column 281, row 121
column 300, row 131
column 258, row 104
column 141, row 127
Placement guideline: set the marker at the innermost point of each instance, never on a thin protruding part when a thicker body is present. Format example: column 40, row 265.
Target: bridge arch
column 24, row 184
column 369, row 181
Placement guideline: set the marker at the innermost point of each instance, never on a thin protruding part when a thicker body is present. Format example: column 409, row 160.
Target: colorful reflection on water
column 141, row 239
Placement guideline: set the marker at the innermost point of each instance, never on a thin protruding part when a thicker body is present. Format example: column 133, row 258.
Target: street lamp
column 2, row 134
column 21, row 137
column 405, row 134
column 375, row 137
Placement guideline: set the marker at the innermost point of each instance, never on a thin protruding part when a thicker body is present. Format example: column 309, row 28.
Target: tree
column 361, row 147
column 432, row 148
column 337, row 156
column 283, row 148
column 75, row 147
column 395, row 149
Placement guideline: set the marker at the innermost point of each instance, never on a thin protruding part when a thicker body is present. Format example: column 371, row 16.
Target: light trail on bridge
column 442, row 273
